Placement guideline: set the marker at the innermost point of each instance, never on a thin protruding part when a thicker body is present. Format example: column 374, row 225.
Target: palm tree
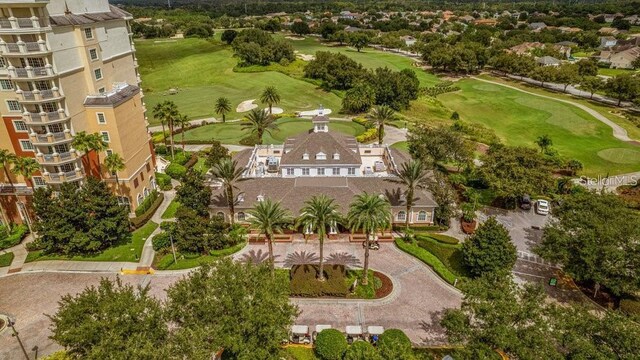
column 168, row 111
column 182, row 121
column 223, row 106
column 6, row 158
column 379, row 116
column 368, row 213
column 87, row 143
column 158, row 115
column 268, row 218
column 259, row 122
column 318, row 214
column 270, row 96
column 412, row 175
column 26, row 167
column 544, row 142
column 229, row 173
column 115, row 163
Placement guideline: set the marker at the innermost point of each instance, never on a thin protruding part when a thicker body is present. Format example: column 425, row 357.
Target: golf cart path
column 618, row 132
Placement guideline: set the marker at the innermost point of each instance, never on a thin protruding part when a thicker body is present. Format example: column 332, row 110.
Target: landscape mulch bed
column 604, row 298
column 387, row 285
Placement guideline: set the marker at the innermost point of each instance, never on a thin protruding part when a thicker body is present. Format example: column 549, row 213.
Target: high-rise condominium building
column 68, row 66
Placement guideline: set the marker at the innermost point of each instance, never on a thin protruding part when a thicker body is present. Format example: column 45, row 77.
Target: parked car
column 542, row 207
column 373, row 245
column 525, row 202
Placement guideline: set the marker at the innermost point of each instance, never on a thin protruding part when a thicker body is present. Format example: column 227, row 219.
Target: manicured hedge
column 362, row 121
column 360, row 350
column 445, row 239
column 330, row 344
column 394, row 344
column 427, row 258
column 304, row 281
column 6, row 259
column 176, row 171
column 420, row 228
column 138, row 221
column 17, row 234
column 146, row 204
column 367, row 136
column 164, row 181
column 450, row 255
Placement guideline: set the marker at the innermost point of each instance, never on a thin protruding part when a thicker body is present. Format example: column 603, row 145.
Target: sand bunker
column 245, row 106
column 305, row 57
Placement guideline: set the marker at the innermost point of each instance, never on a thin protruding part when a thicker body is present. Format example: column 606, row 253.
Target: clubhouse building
column 321, row 162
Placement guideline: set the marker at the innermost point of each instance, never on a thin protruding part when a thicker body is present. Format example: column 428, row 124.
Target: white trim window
column 26, row 145
column 6, row 84
column 402, row 215
column 351, row 171
column 101, row 118
column 102, row 90
column 305, row 171
column 14, row 106
column 290, row 172
column 93, row 54
column 39, row 181
column 422, row 216
column 336, row 171
column 105, row 136
column 97, row 73
column 320, row 171
column 20, row 126
column 241, row 216
column 88, row 33
column 3, row 62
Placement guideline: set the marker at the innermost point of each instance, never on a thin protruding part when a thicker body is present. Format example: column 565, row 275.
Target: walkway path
column 415, row 306
column 146, row 259
column 618, row 132
column 19, row 256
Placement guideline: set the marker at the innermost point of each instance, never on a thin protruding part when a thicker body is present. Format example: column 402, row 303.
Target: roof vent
column 305, row 156
column 336, row 156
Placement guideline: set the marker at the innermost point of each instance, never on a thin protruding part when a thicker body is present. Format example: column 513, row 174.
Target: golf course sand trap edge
column 246, row 105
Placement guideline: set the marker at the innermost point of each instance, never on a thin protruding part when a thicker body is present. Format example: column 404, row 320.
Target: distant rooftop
column 120, row 94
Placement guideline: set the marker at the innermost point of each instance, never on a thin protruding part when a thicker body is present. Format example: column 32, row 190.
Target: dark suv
column 525, row 202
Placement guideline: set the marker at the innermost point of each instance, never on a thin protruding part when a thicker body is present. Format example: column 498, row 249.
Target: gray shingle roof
column 89, row 18
column 325, row 142
column 114, row 98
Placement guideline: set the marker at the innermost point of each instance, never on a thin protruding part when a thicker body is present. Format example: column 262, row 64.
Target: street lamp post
column 16, row 335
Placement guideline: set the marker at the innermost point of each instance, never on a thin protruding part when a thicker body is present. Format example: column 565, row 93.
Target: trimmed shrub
column 146, row 204
column 304, row 281
column 445, row 239
column 428, row 258
column 250, row 140
column 176, row 171
column 17, row 234
column 360, row 350
column 367, row 136
column 181, row 158
column 138, row 221
column 161, row 241
column 362, row 121
column 421, row 228
column 394, row 344
column 330, row 344
column 164, row 181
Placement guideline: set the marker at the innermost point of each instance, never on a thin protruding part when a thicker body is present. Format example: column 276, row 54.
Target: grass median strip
column 6, row 259
column 442, row 268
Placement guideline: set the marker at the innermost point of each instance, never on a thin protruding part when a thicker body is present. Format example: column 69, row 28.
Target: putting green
column 232, row 133
column 620, row 156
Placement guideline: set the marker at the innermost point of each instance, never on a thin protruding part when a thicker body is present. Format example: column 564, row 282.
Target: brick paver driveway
column 415, row 306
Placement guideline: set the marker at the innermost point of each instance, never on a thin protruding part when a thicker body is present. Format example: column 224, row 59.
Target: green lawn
column 519, row 118
column 170, row 213
column 402, row 145
column 368, row 57
column 299, row 353
column 129, row 252
column 202, row 71
column 232, row 133
column 6, row 259
column 188, row 261
column 614, row 72
column 200, row 166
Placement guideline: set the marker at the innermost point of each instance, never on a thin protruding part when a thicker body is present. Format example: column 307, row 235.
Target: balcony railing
column 13, row 23
column 39, row 118
column 63, row 177
column 31, row 72
column 38, row 95
column 23, row 47
column 50, row 138
column 55, row 158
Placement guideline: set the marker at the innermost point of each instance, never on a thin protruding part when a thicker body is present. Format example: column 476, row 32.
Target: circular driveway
column 415, row 306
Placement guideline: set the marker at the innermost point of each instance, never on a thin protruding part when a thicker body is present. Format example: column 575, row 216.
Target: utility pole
column 173, row 248
column 15, row 334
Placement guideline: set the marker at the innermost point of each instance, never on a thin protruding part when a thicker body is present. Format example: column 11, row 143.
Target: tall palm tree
column 223, row 106
column 412, row 175
column 168, row 111
column 6, row 158
column 369, row 213
column 319, row 214
column 158, row 115
column 270, row 96
column 259, row 122
column 26, row 167
column 114, row 163
column 183, row 122
column 229, row 173
column 379, row 116
column 87, row 143
column 269, row 218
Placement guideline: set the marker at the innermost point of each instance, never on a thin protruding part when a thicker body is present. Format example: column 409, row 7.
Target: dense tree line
column 257, row 47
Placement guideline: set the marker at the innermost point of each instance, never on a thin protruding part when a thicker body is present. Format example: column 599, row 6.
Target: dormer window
column 241, row 198
column 336, row 156
column 321, row 156
column 260, row 198
column 305, row 156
